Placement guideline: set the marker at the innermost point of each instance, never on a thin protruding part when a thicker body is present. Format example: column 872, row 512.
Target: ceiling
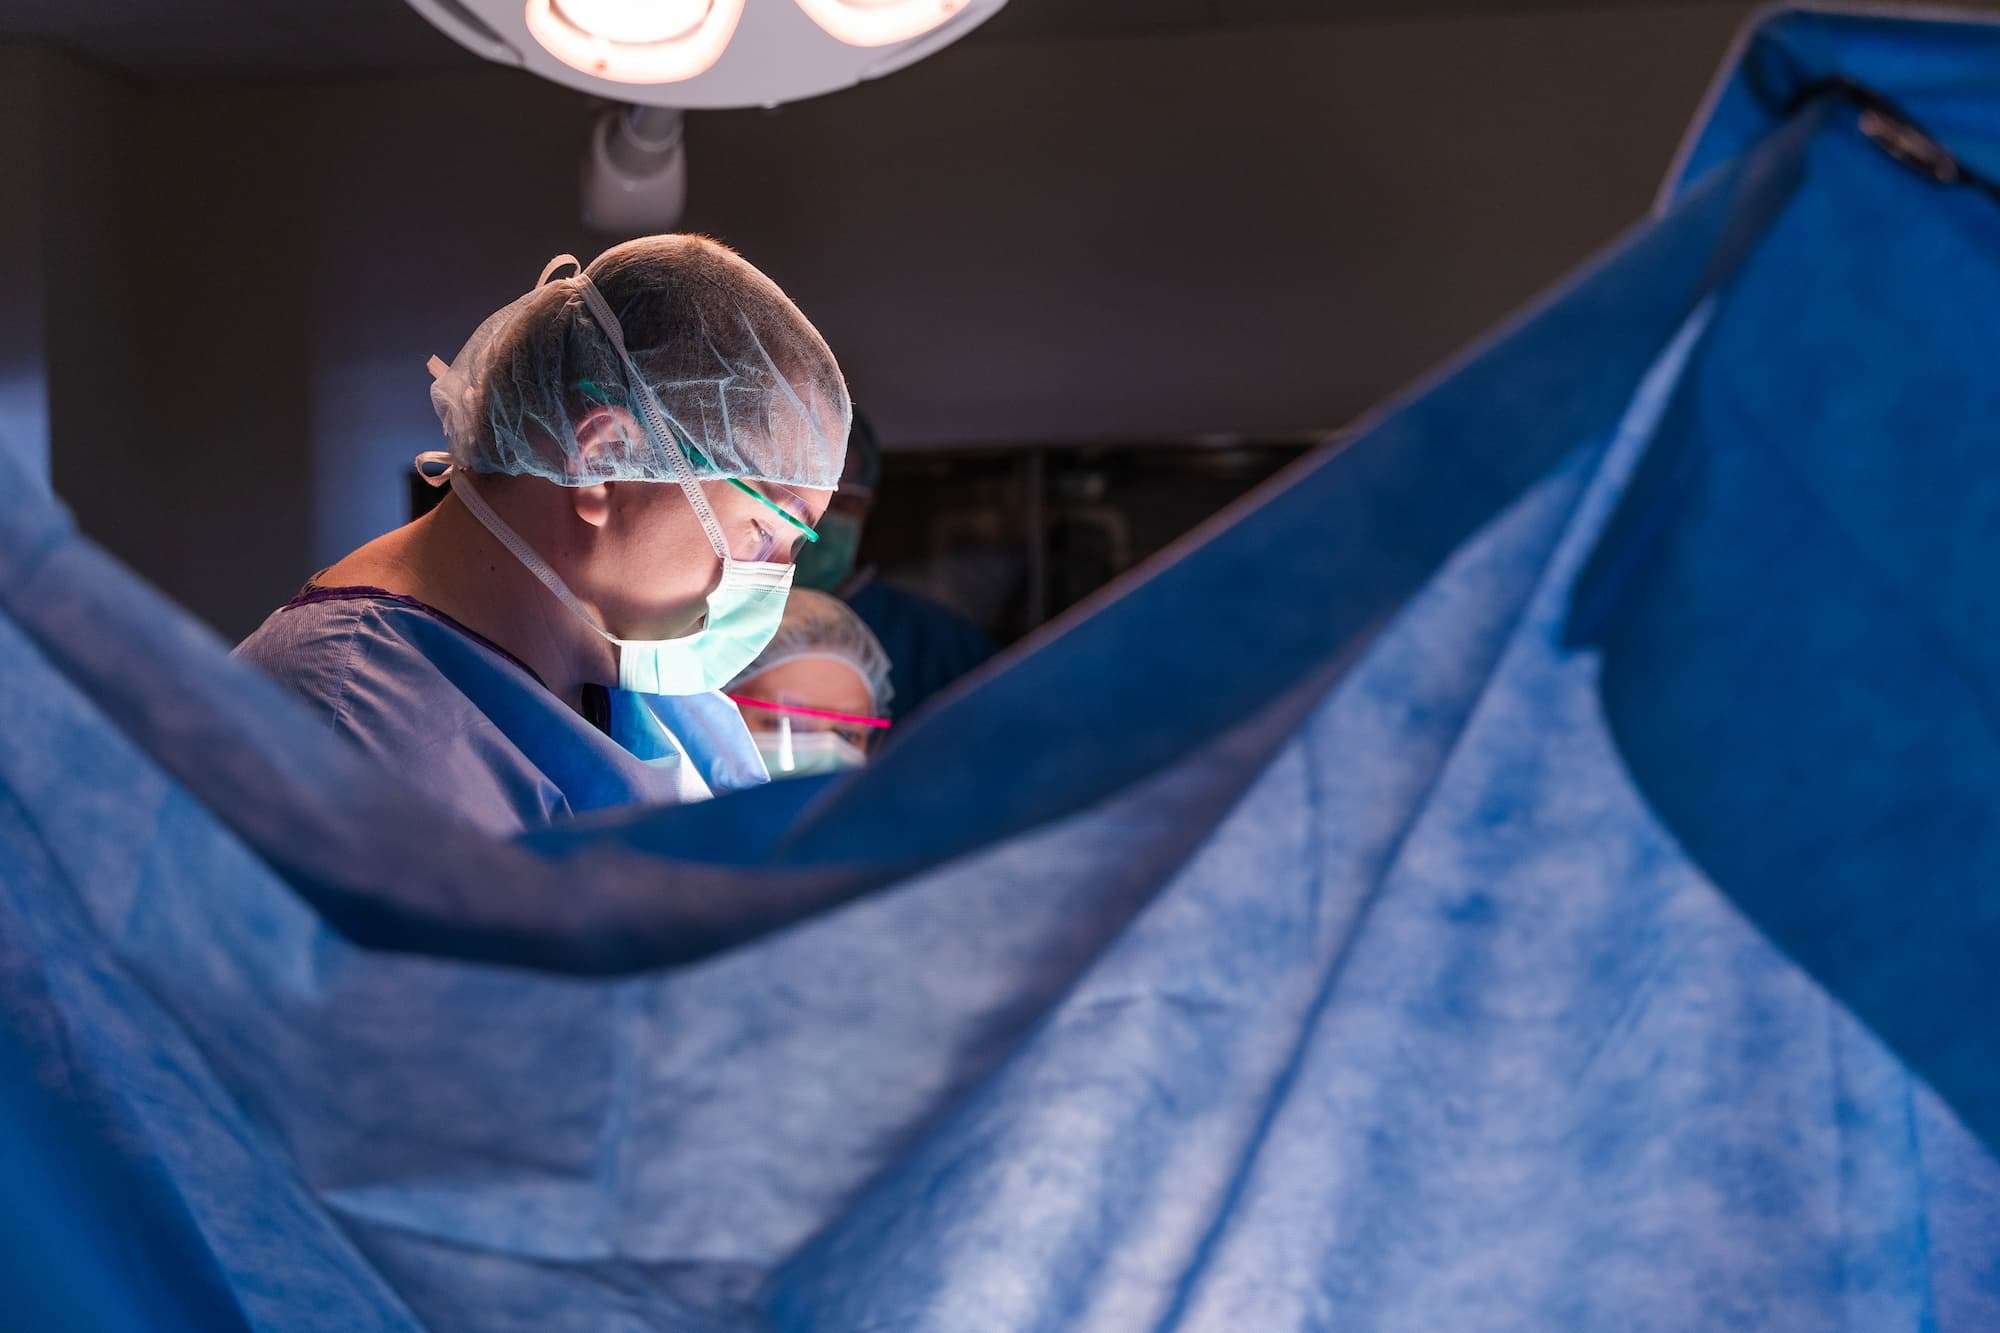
column 1038, row 19
column 341, row 38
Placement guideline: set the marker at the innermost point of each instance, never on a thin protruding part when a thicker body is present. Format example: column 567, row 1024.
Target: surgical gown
column 477, row 728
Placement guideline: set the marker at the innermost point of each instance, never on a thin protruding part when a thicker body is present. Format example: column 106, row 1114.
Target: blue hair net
column 740, row 375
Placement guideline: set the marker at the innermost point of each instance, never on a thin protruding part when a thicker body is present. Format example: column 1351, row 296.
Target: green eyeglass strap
column 597, row 394
column 774, row 507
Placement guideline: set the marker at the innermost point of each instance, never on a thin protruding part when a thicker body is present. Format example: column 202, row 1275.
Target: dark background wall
column 24, row 408
column 1191, row 231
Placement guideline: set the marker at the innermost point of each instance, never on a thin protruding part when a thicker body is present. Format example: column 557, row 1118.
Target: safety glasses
column 597, row 393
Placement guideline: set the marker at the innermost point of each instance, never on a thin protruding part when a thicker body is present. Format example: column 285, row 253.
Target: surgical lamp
column 659, row 57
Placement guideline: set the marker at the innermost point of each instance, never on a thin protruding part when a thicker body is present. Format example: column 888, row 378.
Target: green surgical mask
column 825, row 564
column 809, row 752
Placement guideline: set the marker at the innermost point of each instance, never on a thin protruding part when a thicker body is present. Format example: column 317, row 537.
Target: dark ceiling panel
column 1309, row 11
column 336, row 38
column 250, row 38
column 1041, row 20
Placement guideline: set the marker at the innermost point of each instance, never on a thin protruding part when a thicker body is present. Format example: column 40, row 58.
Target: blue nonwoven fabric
column 1401, row 952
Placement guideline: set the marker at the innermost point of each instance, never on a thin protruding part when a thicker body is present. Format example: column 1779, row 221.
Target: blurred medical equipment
column 635, row 171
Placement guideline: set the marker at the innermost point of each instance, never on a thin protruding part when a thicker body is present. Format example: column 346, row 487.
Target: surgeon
column 637, row 452
column 817, row 698
column 929, row 644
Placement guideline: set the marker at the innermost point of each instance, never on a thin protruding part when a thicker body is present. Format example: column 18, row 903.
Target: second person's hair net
column 736, row 368
column 819, row 626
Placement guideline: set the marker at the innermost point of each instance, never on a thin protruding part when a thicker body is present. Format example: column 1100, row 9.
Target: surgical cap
column 738, row 372
column 819, row 626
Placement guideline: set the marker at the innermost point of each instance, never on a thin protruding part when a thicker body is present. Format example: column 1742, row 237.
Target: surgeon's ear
column 593, row 503
column 605, row 436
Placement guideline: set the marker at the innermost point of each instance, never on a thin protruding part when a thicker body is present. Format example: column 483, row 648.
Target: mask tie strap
column 463, row 488
column 434, row 466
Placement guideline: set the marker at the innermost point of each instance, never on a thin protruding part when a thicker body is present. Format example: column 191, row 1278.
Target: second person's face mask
column 800, row 754
column 826, row 563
